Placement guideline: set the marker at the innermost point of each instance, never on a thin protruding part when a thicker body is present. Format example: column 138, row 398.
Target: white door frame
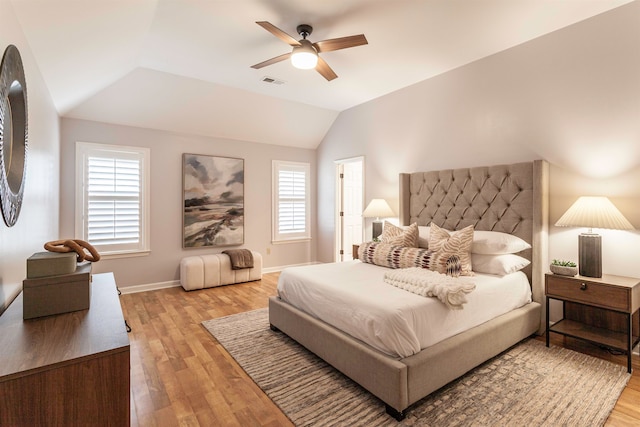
column 340, row 251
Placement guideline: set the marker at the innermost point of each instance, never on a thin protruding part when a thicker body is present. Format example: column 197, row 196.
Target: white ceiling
column 184, row 65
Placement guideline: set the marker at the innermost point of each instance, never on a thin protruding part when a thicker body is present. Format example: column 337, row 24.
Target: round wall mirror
column 13, row 134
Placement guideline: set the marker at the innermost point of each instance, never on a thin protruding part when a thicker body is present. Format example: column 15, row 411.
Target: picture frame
column 213, row 201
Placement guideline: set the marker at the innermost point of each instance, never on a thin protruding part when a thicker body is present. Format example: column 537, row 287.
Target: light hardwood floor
column 180, row 376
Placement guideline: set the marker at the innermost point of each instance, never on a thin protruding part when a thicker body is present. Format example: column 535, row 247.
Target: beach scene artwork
column 213, row 201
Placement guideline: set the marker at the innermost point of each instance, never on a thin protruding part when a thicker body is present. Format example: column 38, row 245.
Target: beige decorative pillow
column 391, row 256
column 403, row 257
column 446, row 244
column 398, row 236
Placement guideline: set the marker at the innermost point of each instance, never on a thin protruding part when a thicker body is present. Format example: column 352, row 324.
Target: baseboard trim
column 282, row 267
column 149, row 287
column 175, row 283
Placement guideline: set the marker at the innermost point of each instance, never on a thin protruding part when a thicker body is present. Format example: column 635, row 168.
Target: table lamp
column 377, row 208
column 592, row 212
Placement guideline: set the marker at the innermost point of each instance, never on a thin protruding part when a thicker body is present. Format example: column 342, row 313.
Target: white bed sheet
column 353, row 297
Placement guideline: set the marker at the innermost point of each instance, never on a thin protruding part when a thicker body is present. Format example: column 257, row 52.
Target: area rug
column 528, row 384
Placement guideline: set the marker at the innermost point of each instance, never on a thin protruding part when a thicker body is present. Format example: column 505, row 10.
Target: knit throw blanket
column 240, row 258
column 450, row 290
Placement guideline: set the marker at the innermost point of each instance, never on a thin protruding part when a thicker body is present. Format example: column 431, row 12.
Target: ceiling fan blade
column 340, row 43
column 272, row 61
column 278, row 33
column 324, row 69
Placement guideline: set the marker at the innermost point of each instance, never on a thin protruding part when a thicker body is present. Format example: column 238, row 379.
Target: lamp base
column 376, row 229
column 590, row 255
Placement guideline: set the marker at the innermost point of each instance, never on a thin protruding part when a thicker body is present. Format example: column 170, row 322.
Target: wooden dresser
column 68, row 369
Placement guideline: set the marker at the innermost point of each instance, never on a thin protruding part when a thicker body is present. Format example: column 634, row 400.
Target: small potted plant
column 564, row 268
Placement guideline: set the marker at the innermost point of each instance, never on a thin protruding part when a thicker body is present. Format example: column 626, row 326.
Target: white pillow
column 495, row 243
column 484, row 242
column 423, row 236
column 498, row 264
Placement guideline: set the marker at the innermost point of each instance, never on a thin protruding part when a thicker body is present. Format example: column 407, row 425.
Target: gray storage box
column 57, row 294
column 43, row 264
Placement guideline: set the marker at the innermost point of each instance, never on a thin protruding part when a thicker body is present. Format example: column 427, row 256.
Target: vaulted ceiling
column 184, row 65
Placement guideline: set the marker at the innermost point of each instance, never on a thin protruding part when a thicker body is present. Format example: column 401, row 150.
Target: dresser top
column 28, row 346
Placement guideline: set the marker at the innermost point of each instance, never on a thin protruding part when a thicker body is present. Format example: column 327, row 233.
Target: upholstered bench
column 207, row 271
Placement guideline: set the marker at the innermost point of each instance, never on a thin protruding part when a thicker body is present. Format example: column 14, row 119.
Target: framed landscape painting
column 213, row 201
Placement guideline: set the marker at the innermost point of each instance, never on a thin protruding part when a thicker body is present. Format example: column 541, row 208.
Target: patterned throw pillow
column 394, row 256
column 447, row 244
column 453, row 266
column 398, row 236
column 391, row 256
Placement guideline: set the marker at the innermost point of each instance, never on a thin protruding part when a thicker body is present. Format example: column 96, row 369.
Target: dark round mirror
column 13, row 134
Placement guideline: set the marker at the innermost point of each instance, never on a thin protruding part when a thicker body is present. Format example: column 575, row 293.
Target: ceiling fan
column 305, row 54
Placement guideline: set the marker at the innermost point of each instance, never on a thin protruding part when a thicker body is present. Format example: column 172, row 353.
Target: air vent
column 272, row 80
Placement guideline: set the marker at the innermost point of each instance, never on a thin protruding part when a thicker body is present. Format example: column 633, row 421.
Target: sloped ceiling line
column 183, row 65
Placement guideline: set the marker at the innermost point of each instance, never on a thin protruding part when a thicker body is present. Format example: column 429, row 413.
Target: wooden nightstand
column 354, row 251
column 600, row 310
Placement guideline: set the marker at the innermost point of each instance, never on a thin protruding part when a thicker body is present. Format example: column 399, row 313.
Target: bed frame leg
column 273, row 328
column 398, row 415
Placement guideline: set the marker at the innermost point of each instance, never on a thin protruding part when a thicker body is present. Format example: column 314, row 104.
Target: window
column 112, row 197
column 290, row 201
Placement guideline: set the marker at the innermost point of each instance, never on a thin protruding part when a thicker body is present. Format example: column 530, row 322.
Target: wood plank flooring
column 180, row 376
column 627, row 409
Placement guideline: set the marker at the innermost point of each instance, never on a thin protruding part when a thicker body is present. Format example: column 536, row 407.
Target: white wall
column 571, row 97
column 162, row 265
column 38, row 220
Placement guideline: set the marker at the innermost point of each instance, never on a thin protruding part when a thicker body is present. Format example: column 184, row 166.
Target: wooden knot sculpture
column 78, row 246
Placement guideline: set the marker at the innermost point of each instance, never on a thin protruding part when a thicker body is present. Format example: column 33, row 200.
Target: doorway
column 349, row 206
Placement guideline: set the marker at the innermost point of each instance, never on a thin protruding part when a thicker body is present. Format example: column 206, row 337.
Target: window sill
column 124, row 254
column 297, row 240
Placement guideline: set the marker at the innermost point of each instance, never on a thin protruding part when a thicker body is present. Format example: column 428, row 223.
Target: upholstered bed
column 507, row 198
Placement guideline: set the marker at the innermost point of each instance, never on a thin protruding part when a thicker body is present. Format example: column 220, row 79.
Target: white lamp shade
column 304, row 56
column 594, row 212
column 378, row 208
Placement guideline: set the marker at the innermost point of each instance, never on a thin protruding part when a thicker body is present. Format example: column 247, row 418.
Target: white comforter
column 353, row 297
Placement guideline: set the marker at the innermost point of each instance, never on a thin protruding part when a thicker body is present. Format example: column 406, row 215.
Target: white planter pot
column 563, row 271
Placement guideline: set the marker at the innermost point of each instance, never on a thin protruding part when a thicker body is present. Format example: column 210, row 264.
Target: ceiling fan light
column 304, row 56
column 304, row 60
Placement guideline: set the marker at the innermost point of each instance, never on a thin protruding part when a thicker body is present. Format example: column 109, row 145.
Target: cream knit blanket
column 450, row 290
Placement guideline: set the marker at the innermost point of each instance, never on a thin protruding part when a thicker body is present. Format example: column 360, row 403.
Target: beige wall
column 571, row 97
column 166, row 197
column 38, row 220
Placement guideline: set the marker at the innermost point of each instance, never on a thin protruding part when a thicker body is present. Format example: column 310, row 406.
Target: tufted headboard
column 508, row 198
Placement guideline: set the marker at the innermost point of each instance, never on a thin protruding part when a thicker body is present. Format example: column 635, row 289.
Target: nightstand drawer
column 587, row 292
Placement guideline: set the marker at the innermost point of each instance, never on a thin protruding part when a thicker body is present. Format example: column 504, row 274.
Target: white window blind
column 291, row 201
column 112, row 199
